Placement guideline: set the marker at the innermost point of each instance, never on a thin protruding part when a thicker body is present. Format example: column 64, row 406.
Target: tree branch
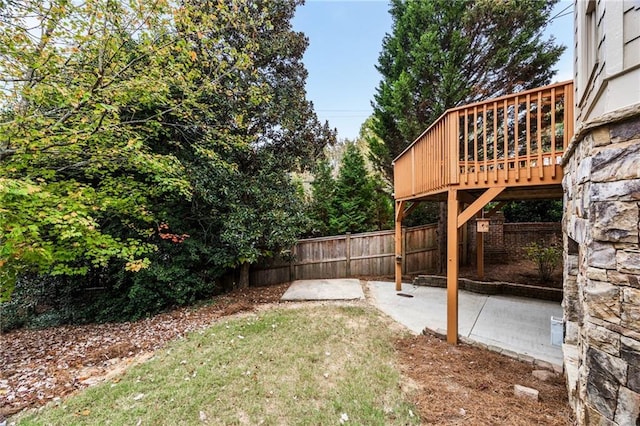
column 6, row 153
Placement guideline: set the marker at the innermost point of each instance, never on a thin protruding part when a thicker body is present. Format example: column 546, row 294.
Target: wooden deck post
column 404, row 249
column 464, row 256
column 480, row 254
column 398, row 240
column 452, row 266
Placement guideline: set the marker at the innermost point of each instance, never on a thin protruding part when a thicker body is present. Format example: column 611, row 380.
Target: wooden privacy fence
column 353, row 255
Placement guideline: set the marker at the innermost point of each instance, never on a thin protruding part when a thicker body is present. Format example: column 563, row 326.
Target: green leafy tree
column 533, row 211
column 353, row 208
column 251, row 206
column 73, row 155
column 444, row 53
column 149, row 137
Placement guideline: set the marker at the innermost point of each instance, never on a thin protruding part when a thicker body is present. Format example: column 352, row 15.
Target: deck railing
column 513, row 139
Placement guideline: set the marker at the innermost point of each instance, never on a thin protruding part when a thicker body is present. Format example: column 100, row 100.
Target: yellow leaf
column 193, row 55
column 85, row 412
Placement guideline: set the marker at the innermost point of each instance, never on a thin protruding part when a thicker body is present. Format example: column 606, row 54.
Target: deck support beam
column 479, row 204
column 452, row 266
column 400, row 212
column 455, row 220
column 480, row 254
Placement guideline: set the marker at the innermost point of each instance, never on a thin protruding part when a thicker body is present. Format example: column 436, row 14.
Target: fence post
column 404, row 250
column 296, row 263
column 348, row 255
column 291, row 260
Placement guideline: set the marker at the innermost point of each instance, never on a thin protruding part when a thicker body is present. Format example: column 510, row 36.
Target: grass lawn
column 304, row 365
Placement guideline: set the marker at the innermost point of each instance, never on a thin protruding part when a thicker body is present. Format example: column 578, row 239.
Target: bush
column 37, row 302
column 178, row 276
column 547, row 258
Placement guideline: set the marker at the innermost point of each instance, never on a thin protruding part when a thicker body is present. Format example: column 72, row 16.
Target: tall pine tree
column 444, row 53
column 353, row 207
column 322, row 192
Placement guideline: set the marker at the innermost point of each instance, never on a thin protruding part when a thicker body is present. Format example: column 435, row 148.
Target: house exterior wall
column 602, row 217
column 606, row 57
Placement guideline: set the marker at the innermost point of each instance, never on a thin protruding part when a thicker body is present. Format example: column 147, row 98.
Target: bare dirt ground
column 450, row 385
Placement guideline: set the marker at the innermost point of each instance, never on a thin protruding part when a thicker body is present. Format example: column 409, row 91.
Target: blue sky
column 345, row 39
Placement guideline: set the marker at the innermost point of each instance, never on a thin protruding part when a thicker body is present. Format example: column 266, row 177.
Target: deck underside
column 504, row 149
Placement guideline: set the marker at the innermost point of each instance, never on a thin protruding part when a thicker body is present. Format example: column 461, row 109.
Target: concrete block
column 543, row 364
column 526, row 358
column 510, row 354
column 525, row 392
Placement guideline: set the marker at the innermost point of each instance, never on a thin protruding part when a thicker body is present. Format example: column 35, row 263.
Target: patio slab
column 330, row 289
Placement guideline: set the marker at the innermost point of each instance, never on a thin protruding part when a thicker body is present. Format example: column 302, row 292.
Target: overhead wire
column 561, row 13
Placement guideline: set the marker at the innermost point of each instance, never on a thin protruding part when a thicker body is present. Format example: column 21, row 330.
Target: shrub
column 178, row 276
column 37, row 301
column 547, row 258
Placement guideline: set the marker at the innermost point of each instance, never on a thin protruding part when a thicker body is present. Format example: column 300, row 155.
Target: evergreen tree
column 383, row 203
column 353, row 207
column 322, row 193
column 444, row 53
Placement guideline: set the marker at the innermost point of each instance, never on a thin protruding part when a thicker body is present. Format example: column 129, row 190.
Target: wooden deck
column 512, row 141
column 508, row 148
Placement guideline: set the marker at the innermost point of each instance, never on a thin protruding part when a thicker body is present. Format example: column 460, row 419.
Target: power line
column 565, row 14
column 344, row 110
column 561, row 13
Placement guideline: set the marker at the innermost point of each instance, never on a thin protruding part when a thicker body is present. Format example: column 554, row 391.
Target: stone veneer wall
column 602, row 270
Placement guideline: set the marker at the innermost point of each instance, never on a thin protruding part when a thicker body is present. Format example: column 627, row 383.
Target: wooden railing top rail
column 512, row 95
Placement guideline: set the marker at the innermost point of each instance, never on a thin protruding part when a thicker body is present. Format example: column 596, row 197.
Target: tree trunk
column 243, row 281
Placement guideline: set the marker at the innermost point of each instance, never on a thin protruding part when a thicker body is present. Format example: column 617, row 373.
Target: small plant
column 547, row 258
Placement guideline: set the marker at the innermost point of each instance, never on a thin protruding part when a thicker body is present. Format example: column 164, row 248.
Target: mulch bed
column 456, row 385
column 517, row 271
